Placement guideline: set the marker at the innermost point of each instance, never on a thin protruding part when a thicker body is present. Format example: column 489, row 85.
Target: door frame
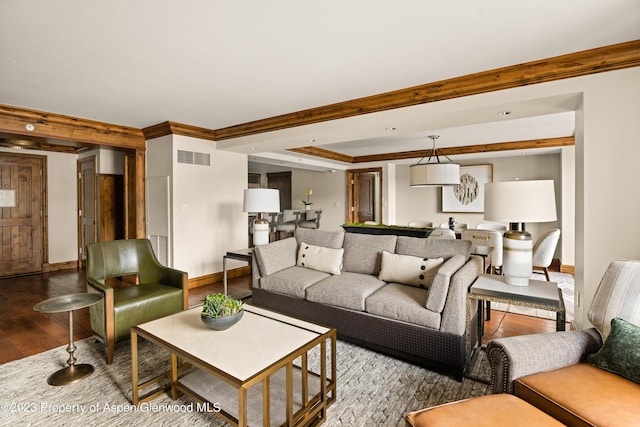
column 93, row 160
column 352, row 192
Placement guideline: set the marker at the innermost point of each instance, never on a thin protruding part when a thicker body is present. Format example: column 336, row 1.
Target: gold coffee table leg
column 72, row 372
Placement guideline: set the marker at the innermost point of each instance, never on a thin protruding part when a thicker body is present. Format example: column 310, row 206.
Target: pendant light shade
column 434, row 174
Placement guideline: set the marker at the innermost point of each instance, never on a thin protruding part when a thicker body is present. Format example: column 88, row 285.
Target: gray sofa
column 423, row 322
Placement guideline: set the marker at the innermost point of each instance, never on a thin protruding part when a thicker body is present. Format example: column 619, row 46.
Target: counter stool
column 491, row 410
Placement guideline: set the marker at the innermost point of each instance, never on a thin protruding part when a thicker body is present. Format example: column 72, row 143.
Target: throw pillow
column 408, row 269
column 620, row 352
column 328, row 260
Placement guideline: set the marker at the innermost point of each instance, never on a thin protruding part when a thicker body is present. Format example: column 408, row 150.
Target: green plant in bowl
column 220, row 311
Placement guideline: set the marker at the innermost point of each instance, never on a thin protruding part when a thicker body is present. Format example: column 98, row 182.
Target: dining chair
column 543, row 251
column 420, row 224
column 311, row 220
column 492, row 226
column 442, row 233
column 286, row 224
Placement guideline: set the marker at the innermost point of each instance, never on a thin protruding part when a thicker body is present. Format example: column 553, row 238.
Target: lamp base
column 517, row 263
column 260, row 231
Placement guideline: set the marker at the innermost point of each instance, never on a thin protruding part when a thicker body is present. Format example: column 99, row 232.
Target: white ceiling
column 218, row 63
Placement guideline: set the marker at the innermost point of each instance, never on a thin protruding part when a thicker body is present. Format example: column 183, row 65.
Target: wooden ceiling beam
column 450, row 151
column 16, row 120
column 608, row 58
column 174, row 128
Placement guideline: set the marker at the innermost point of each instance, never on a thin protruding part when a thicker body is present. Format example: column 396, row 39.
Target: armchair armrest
column 514, row 357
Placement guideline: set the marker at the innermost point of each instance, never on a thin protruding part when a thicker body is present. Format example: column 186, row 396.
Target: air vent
column 193, row 158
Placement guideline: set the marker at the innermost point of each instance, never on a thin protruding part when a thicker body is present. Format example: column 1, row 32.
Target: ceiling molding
column 608, row 58
column 15, row 120
column 323, row 153
column 174, row 128
column 450, row 151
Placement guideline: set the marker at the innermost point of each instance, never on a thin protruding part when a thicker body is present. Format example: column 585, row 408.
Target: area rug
column 372, row 389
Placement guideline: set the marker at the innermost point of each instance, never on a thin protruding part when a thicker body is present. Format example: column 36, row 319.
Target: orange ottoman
column 491, row 410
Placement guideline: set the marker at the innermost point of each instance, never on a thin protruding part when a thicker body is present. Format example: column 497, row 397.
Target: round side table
column 72, row 372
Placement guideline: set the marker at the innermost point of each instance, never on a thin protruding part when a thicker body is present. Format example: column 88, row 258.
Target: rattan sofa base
column 435, row 350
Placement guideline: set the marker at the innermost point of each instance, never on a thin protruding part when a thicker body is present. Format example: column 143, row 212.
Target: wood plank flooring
column 26, row 332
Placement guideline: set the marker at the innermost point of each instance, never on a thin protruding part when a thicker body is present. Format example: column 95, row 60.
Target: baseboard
column 210, row 279
column 570, row 269
column 59, row 266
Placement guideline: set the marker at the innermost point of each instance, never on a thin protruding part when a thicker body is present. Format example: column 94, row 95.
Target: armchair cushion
column 620, row 353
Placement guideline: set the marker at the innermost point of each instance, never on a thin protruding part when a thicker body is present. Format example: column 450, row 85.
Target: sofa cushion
column 408, row 269
column 433, row 248
column 320, row 258
column 620, row 353
column 348, row 290
column 363, row 252
column 276, row 256
column 292, row 281
column 582, row 394
column 405, row 303
column 324, row 238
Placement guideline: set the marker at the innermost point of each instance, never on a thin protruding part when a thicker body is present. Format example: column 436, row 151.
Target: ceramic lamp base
column 260, row 231
column 517, row 263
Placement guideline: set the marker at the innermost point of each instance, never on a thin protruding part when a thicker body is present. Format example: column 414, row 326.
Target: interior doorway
column 87, row 201
column 23, row 210
column 364, row 193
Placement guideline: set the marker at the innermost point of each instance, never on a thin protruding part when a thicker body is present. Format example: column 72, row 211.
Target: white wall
column 62, row 199
column 329, row 194
column 207, row 207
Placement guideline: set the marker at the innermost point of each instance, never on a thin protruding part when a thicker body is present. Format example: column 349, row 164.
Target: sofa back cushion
column 324, row 238
column 363, row 252
column 433, row 248
column 276, row 256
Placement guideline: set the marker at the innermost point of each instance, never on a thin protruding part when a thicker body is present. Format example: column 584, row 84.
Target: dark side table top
column 67, row 302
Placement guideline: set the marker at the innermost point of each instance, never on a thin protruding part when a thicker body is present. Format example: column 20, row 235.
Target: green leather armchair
column 159, row 292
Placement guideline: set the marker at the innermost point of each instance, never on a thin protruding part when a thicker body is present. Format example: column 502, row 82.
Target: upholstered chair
column 617, row 296
column 489, row 238
column 442, row 233
column 146, row 290
column 420, row 224
column 543, row 251
column 286, row 224
column 312, row 219
column 496, row 226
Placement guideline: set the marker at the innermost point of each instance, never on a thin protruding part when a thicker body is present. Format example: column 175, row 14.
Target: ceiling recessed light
column 254, row 148
column 311, row 140
column 504, row 113
column 30, row 127
column 391, row 128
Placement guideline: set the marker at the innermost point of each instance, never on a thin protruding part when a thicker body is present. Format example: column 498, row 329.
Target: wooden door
column 366, row 203
column 22, row 214
column 281, row 181
column 364, row 195
column 87, row 212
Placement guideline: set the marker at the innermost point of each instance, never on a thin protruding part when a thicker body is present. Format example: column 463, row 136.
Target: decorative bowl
column 222, row 323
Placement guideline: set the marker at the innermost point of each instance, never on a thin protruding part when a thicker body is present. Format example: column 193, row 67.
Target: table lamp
column 518, row 202
column 261, row 201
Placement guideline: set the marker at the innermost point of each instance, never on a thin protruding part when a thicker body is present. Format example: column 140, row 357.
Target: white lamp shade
column 520, row 201
column 434, row 174
column 258, row 200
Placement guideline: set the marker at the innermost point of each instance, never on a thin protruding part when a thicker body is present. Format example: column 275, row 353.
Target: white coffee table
column 246, row 374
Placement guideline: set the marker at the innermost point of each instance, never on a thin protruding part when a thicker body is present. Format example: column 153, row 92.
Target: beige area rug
column 565, row 283
column 373, row 390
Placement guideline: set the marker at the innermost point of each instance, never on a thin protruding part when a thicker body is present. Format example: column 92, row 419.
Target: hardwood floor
column 26, row 332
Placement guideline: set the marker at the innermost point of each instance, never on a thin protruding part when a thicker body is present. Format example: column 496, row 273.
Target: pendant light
column 434, row 174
